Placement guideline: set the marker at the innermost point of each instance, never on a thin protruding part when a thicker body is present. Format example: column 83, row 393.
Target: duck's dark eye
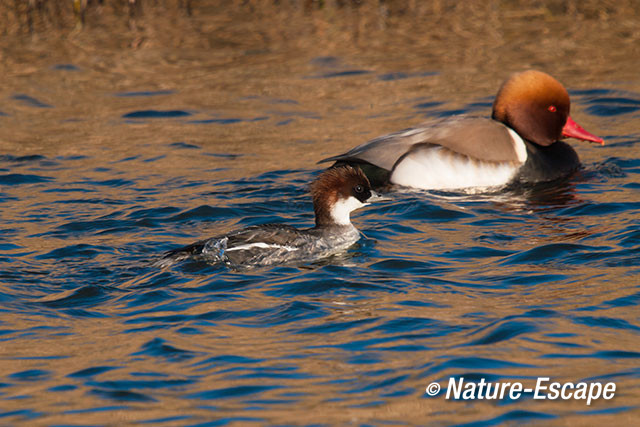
column 552, row 108
column 358, row 188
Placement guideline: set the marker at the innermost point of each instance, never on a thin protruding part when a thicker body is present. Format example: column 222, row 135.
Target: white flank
column 261, row 245
column 518, row 143
column 431, row 169
column 343, row 207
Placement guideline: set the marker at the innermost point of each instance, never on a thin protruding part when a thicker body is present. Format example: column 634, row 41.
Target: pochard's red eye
column 552, row 108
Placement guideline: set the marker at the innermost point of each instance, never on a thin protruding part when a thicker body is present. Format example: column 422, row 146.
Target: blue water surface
column 507, row 286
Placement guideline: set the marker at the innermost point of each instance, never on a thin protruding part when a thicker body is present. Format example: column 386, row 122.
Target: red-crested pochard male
column 519, row 143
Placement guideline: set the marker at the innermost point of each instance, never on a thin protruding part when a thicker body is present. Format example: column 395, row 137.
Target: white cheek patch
column 434, row 168
column 342, row 208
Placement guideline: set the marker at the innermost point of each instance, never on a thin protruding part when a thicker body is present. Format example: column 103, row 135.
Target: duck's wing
column 252, row 239
column 383, row 151
column 476, row 137
column 264, row 245
column 265, row 236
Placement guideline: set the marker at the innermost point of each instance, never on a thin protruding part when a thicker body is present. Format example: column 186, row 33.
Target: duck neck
column 336, row 214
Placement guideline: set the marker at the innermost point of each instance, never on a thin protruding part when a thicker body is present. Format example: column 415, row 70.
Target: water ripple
column 155, row 114
column 504, row 286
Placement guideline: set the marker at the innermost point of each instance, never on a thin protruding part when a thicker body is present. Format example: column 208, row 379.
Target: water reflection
column 230, row 115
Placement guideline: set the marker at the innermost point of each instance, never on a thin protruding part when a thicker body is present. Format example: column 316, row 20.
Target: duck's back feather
column 478, row 138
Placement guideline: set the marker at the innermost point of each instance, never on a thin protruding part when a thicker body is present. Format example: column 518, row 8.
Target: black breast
column 548, row 163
